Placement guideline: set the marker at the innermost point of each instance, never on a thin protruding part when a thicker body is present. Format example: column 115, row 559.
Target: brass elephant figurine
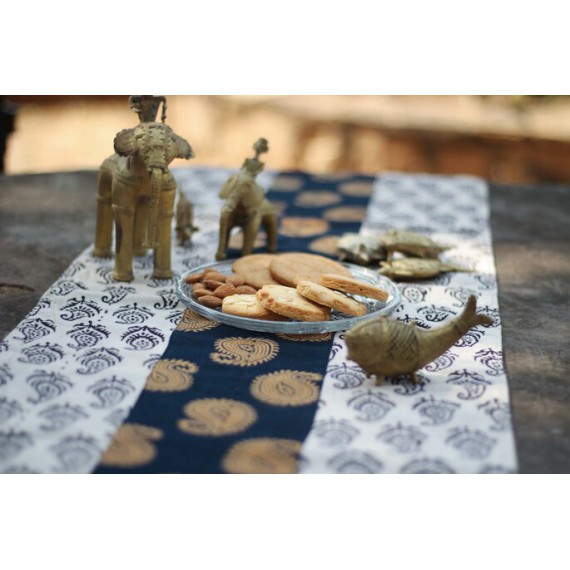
column 247, row 207
column 137, row 191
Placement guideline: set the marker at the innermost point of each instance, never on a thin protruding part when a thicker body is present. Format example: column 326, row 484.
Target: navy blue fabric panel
column 155, row 437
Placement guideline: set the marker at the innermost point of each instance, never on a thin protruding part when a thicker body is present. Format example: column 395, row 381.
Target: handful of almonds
column 210, row 287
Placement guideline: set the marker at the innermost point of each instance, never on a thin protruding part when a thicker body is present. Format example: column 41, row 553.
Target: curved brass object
column 136, row 191
column 385, row 347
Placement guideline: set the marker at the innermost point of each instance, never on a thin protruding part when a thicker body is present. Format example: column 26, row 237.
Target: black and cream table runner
column 114, row 377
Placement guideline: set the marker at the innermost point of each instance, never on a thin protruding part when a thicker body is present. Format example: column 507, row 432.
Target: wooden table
column 46, row 220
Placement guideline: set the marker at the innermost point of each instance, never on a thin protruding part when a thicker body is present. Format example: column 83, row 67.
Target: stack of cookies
column 298, row 286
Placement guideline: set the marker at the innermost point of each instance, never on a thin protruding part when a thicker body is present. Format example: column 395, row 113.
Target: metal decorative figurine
column 246, row 206
column 385, row 347
column 414, row 268
column 137, row 191
column 410, row 243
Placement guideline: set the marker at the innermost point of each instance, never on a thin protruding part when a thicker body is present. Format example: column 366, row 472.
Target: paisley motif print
column 76, row 309
column 346, row 376
column 106, row 275
column 470, row 338
column 317, row 198
column 317, row 337
column 286, row 388
column 74, row 268
column 87, row 335
column 472, row 444
column 169, row 300
column 499, row 412
column 142, row 338
column 302, row 227
column 5, row 374
column 287, row 184
column 436, row 412
column 60, row 416
column 355, row 461
column 110, row 391
column 427, row 466
column 170, row 375
column 116, row 294
column 358, row 189
column 405, row 386
column 174, row 317
column 492, row 359
column 35, row 329
column 435, row 314
column 132, row 315
column 12, row 443
column 473, row 384
column 9, row 409
column 414, row 293
column 41, row 354
column 244, row 351
column 48, row 385
column 262, row 455
column 442, row 362
column 41, row 305
column 325, row 245
column 97, row 359
column 63, row 287
column 461, row 294
column 217, row 417
column 151, row 361
column 132, row 446
column 117, row 417
column 402, row 438
column 3, row 346
column 371, row 406
column 335, row 432
column 193, row 322
column 76, row 453
column 345, row 214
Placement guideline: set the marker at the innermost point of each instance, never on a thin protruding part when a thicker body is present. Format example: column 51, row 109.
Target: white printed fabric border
column 74, row 367
column 457, row 418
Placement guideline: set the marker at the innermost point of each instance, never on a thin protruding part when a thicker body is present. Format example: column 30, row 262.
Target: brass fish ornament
column 414, row 268
column 412, row 244
column 385, row 347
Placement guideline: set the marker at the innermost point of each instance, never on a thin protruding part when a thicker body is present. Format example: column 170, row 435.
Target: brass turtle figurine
column 415, row 268
column 385, row 347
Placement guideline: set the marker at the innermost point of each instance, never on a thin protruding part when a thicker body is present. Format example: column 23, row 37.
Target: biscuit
column 351, row 285
column 333, row 299
column 290, row 268
column 288, row 302
column 254, row 269
column 248, row 306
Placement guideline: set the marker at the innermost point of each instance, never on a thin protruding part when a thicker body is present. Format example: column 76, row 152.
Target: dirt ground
column 502, row 139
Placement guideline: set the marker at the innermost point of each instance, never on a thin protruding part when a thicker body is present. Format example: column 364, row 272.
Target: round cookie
column 351, row 285
column 290, row 268
column 254, row 269
column 288, row 302
column 248, row 306
column 330, row 298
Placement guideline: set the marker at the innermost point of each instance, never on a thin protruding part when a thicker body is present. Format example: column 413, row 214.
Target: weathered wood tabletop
column 46, row 220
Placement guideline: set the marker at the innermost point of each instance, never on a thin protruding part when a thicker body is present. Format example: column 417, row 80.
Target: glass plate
column 339, row 321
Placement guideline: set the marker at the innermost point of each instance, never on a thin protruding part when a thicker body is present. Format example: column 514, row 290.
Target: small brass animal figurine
column 385, row 347
column 185, row 227
column 410, row 243
column 360, row 249
column 247, row 207
column 137, row 191
column 414, row 268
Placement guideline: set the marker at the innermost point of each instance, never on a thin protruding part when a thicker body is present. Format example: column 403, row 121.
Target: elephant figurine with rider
column 247, row 207
column 137, row 192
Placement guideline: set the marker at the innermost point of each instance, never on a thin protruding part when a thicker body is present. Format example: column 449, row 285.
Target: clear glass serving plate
column 339, row 321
